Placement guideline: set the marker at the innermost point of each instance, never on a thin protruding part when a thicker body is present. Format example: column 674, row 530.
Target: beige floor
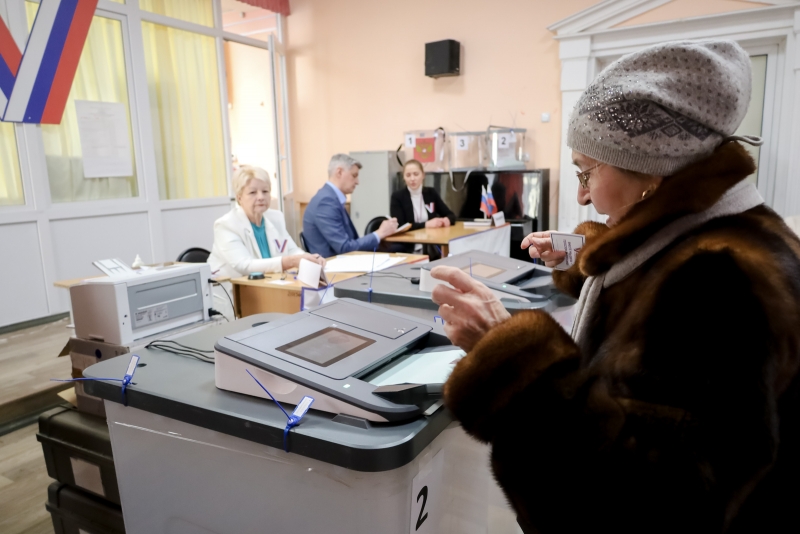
column 23, row 484
column 28, row 360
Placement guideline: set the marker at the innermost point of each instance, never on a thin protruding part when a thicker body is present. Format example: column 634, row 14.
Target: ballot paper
column 405, row 228
column 425, row 367
column 569, row 243
column 311, row 274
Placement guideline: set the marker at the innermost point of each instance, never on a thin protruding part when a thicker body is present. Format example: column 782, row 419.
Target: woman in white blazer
column 252, row 238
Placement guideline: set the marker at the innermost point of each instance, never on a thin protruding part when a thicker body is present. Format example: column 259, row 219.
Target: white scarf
column 738, row 199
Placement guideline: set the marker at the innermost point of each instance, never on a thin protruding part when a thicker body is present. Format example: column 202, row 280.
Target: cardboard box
column 84, row 353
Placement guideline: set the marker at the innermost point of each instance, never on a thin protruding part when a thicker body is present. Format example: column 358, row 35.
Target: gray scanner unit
column 518, row 284
column 171, row 389
column 331, row 353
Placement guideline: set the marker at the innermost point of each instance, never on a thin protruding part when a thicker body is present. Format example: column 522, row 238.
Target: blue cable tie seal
column 126, row 380
column 371, row 271
column 291, row 420
column 330, row 283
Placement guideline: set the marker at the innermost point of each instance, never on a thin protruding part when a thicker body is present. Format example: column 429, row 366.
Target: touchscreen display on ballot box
column 326, row 346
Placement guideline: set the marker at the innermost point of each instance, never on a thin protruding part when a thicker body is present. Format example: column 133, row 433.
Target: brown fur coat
column 683, row 416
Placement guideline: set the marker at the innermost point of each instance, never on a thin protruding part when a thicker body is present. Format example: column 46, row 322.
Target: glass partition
column 249, row 21
column 250, row 110
column 185, row 106
column 197, row 11
column 100, row 85
column 10, row 178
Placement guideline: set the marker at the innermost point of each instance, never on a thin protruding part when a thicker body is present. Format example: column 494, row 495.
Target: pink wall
column 356, row 75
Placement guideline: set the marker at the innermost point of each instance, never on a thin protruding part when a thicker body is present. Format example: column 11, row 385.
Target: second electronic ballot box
column 519, row 285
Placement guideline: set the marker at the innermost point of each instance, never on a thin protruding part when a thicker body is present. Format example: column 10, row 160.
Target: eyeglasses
column 583, row 177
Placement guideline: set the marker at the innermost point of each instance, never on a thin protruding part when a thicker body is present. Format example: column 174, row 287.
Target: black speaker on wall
column 443, row 58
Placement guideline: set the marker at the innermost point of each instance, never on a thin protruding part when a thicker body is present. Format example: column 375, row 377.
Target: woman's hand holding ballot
column 470, row 310
column 292, row 262
column 540, row 245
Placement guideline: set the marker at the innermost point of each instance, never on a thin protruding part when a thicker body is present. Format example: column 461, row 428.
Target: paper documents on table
column 569, row 243
column 477, row 223
column 425, row 367
column 405, row 228
column 361, row 263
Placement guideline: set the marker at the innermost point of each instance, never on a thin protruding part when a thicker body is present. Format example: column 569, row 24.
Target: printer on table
column 121, row 309
column 113, row 315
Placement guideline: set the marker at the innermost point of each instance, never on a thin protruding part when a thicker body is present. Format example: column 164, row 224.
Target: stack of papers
column 361, row 263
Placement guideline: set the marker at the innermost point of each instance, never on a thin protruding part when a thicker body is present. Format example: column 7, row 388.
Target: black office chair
column 374, row 224
column 303, row 242
column 194, row 255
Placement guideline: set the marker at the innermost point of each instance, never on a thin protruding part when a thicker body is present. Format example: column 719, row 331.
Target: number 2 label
column 503, row 140
column 426, row 495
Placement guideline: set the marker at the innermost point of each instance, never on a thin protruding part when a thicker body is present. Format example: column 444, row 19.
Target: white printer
column 124, row 308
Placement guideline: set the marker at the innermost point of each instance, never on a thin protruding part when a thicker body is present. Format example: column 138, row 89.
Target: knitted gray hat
column 660, row 109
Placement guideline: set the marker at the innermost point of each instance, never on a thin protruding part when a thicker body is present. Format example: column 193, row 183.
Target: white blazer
column 235, row 252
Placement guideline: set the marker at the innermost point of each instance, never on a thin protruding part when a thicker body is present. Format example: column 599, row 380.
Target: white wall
column 588, row 41
column 22, row 283
column 42, row 242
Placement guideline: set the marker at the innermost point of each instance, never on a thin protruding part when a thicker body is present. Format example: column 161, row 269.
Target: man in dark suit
column 327, row 227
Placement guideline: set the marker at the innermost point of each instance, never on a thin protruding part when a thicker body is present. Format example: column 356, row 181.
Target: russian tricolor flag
column 10, row 56
column 37, row 83
column 488, row 205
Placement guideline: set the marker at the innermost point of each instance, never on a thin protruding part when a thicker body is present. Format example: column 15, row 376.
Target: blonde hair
column 244, row 174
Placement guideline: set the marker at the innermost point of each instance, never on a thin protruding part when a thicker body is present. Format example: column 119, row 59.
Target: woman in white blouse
column 252, row 238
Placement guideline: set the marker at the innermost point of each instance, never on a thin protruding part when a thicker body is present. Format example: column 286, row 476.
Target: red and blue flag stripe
column 48, row 66
column 10, row 57
column 488, row 205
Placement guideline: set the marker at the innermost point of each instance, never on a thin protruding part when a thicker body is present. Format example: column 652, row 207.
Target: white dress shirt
column 420, row 213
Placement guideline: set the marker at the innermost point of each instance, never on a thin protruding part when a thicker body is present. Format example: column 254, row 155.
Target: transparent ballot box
column 506, row 148
column 427, row 147
column 468, row 151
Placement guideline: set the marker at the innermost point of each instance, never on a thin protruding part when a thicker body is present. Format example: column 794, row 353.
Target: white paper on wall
column 105, row 141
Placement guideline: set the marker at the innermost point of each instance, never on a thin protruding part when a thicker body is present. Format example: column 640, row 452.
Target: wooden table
column 280, row 292
column 438, row 236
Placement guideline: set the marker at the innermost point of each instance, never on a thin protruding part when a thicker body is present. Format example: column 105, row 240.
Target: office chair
column 303, row 242
column 374, row 224
column 194, row 255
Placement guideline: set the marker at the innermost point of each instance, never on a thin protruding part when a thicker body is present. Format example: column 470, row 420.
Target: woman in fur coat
column 673, row 405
